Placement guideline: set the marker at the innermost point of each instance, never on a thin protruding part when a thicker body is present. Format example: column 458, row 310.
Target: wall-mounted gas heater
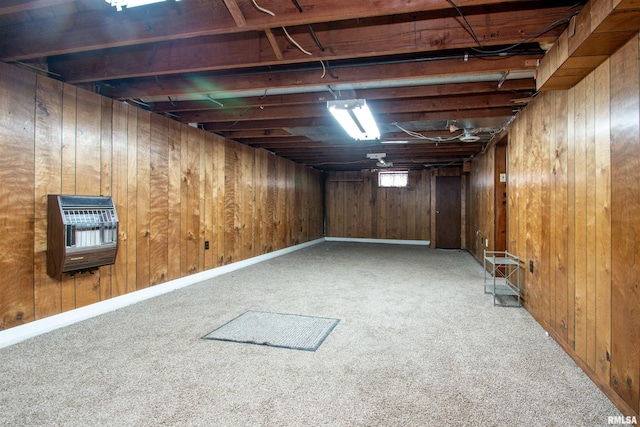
column 82, row 233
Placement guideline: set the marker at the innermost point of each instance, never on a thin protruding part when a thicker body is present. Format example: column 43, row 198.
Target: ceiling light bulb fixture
column 119, row 4
column 355, row 117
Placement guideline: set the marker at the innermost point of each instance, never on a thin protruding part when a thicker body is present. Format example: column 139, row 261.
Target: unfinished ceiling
column 442, row 77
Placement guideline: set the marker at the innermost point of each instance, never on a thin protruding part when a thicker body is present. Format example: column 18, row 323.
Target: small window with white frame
column 391, row 179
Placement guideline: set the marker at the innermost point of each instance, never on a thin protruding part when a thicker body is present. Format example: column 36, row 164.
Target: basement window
column 398, row 179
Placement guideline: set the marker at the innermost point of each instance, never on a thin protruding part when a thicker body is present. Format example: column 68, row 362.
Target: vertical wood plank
column 590, row 216
column 532, row 204
column 219, row 197
column 119, row 192
column 281, row 200
column 143, row 201
column 88, row 166
column 132, row 196
column 48, row 162
column 546, row 133
column 209, row 202
column 580, row 202
column 184, row 199
column 159, row 200
column 625, row 224
column 193, row 200
column 106, row 164
column 260, row 194
column 201, row 199
column 561, row 218
column 69, row 124
column 247, row 201
column 603, row 221
column 174, row 199
column 272, row 195
column 17, row 133
column 571, row 216
column 230, row 230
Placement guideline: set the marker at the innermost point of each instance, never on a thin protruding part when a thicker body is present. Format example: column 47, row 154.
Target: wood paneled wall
column 480, row 204
column 174, row 187
column 356, row 207
column 486, row 202
column 574, row 211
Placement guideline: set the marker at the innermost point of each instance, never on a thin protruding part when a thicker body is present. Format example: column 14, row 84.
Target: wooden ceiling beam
column 384, row 118
column 262, row 134
column 527, row 86
column 94, row 30
column 279, row 135
column 457, row 102
column 235, row 12
column 252, row 49
column 12, row 6
column 210, row 84
column 274, row 44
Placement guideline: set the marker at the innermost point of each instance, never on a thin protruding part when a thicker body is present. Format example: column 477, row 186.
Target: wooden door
column 448, row 212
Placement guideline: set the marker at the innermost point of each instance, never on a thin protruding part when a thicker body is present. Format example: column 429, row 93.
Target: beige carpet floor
column 418, row 344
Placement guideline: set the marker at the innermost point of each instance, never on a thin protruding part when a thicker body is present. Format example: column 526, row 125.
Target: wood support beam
column 236, row 13
column 92, row 30
column 203, row 84
column 360, row 39
column 11, row 6
column 595, row 33
column 274, row 44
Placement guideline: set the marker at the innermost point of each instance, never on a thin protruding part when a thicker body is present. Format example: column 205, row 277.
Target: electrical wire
column 508, row 48
column 295, row 43
column 549, row 27
column 464, row 18
column 262, row 9
column 423, row 137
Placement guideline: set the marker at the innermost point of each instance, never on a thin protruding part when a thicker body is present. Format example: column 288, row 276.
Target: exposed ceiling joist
column 445, row 78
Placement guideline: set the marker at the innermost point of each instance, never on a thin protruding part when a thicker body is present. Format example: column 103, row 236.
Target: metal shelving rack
column 502, row 277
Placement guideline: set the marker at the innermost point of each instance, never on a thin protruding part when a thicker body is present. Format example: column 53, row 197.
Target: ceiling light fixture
column 355, row 117
column 119, row 4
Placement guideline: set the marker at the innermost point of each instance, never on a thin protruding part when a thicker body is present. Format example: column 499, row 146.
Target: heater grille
column 90, row 227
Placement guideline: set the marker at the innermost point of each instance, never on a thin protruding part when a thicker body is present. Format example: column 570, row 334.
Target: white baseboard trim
column 38, row 327
column 386, row 241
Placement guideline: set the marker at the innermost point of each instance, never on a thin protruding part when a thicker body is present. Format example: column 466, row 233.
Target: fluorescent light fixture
column 355, row 117
column 119, row 4
column 394, row 142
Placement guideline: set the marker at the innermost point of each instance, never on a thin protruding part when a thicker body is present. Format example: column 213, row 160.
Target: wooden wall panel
column 159, row 200
column 143, row 201
column 88, row 168
column 48, row 137
column 106, row 148
column 560, row 299
column 168, row 183
column 357, row 208
column 480, row 206
column 603, row 222
column 174, row 199
column 17, row 134
column 195, row 141
column 218, row 200
column 119, row 194
column 625, row 224
column 574, row 209
column 130, row 227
